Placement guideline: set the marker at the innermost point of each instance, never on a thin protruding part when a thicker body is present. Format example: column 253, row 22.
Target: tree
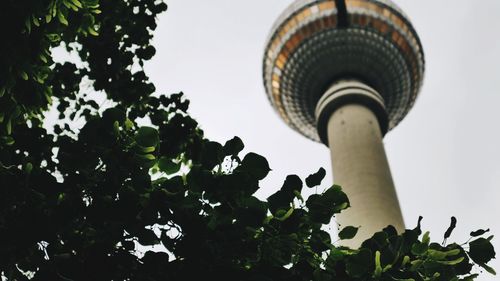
column 114, row 200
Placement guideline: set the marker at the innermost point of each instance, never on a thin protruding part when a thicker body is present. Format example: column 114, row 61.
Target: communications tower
column 345, row 72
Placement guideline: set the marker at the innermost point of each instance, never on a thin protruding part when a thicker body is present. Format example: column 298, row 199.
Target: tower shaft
column 360, row 166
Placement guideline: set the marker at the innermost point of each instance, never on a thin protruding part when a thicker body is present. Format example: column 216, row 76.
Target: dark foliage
column 118, row 201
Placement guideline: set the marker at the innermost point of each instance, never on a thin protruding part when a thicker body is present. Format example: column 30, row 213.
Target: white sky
column 445, row 156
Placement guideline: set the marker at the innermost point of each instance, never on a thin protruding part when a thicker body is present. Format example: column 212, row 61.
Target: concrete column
column 360, row 166
column 352, row 120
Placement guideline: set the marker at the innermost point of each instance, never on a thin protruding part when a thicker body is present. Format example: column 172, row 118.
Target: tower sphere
column 316, row 43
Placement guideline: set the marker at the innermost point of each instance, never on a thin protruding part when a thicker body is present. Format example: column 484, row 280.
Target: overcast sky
column 445, row 155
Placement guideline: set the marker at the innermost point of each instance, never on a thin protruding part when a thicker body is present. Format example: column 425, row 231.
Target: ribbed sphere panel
column 308, row 51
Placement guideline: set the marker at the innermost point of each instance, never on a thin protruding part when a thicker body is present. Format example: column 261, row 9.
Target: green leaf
column 255, row 165
column 488, row 268
column 27, row 24
column 358, row 264
column 323, row 207
column 453, row 252
column 405, row 261
column 28, row 168
column 320, row 241
column 426, row 239
column 54, row 9
column 419, row 248
column 336, row 255
column 77, row 3
column 62, row 18
column 24, row 75
column 147, row 137
column 116, row 131
column 36, row 22
column 479, row 232
column 233, row 146
column 387, row 268
column 147, row 237
column 92, row 31
column 348, row 232
column 292, row 185
column 471, row 277
column 481, row 251
column 378, row 266
column 168, row 166
column 416, row 264
column 450, row 229
column 212, row 154
column 316, row 178
column 8, row 127
column 92, row 4
column 129, row 124
column 67, row 4
column 452, row 262
column 283, row 217
column 279, row 201
column 147, row 157
column 73, row 7
column 148, row 149
column 436, row 255
column 53, row 37
column 8, row 140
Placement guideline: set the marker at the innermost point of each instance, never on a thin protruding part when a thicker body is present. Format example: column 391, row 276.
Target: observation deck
column 316, row 43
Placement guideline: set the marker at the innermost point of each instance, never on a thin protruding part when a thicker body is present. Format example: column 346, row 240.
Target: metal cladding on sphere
column 315, row 43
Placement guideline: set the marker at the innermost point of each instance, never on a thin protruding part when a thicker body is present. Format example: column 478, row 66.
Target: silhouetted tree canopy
column 110, row 199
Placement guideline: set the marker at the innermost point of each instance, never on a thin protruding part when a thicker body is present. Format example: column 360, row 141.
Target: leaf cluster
column 114, row 200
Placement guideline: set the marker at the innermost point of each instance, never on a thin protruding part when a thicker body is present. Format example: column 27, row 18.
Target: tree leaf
column 62, row 18
column 378, row 266
column 147, row 237
column 212, row 154
column 92, row 31
column 489, row 269
column 292, row 185
column 168, row 166
column 28, row 168
column 233, row 146
column 349, row 232
column 359, row 264
column 255, row 165
column 316, row 178
column 481, row 251
column 479, row 232
column 77, row 3
column 323, row 207
column 452, row 262
column 285, row 215
column 279, row 201
column 471, row 277
column 24, row 75
column 147, row 157
column 450, row 229
column 147, row 137
column 419, row 249
column 426, row 239
column 8, row 127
